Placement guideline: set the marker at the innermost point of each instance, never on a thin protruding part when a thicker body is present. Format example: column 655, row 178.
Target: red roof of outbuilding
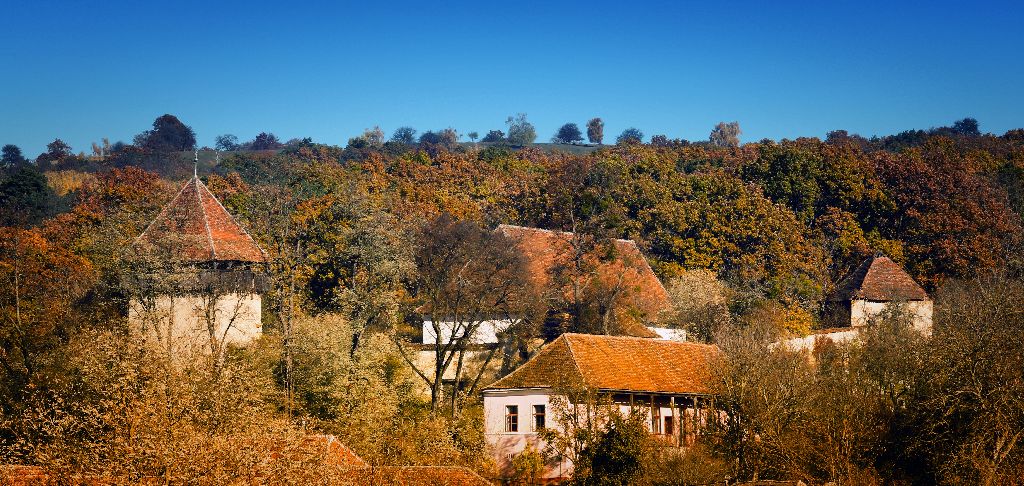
column 547, row 250
column 879, row 279
column 616, row 363
column 195, row 227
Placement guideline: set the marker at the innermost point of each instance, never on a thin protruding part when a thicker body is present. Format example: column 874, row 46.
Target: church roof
column 879, row 279
column 616, row 363
column 547, row 250
column 195, row 227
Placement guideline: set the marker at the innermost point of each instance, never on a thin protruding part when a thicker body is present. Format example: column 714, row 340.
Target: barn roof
column 616, row 363
column 547, row 250
column 879, row 279
column 195, row 227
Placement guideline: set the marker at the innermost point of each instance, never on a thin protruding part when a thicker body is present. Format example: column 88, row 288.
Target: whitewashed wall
column 808, row 342
column 486, row 332
column 920, row 311
column 668, row 334
column 178, row 324
column 861, row 313
column 505, row 445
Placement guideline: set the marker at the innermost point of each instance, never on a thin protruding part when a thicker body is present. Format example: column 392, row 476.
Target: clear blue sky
column 85, row 70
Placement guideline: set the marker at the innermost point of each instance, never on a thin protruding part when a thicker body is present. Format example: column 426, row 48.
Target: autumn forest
column 748, row 237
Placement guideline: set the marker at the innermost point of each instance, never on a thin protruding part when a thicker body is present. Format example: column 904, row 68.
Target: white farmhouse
column 666, row 380
column 198, row 280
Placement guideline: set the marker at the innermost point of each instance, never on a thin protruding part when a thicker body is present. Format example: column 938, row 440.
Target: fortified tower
column 197, row 280
column 875, row 285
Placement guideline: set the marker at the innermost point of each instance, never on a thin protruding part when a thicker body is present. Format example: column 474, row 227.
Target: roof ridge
column 559, row 232
column 232, row 218
column 575, row 362
column 637, row 338
column 206, row 221
column 162, row 212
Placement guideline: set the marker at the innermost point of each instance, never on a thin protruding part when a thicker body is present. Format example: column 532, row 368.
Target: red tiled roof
column 195, row 227
column 326, row 448
column 879, row 279
column 616, row 363
column 546, row 250
column 422, row 475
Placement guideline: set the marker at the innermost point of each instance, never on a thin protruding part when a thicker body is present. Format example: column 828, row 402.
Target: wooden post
column 654, row 426
column 675, row 419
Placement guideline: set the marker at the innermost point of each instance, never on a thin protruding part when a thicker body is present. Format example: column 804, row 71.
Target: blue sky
column 81, row 71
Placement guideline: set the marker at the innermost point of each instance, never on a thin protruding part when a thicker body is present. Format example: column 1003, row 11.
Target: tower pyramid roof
column 879, row 279
column 195, row 227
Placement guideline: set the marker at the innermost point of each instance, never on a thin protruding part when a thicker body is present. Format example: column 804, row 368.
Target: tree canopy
column 568, row 133
column 167, row 135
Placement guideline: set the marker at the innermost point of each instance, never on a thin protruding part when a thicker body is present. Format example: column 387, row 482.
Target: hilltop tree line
column 169, row 135
column 748, row 238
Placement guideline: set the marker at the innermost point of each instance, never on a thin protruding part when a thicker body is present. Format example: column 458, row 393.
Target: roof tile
column 195, row 227
column 616, row 363
column 879, row 279
column 546, row 250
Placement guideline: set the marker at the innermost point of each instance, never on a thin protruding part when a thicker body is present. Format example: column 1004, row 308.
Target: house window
column 538, row 418
column 669, row 425
column 656, row 420
column 511, row 418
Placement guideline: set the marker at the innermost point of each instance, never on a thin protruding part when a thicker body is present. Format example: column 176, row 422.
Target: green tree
column 568, row 133
column 226, row 142
column 12, row 156
column 595, row 130
column 265, row 141
column 967, row 126
column 406, row 135
column 168, row 135
column 494, row 136
column 726, row 135
column 630, row 135
column 619, row 455
column 25, row 197
column 520, row 131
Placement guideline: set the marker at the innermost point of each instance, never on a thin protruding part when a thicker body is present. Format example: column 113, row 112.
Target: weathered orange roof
column 616, row 363
column 880, row 279
column 547, row 250
column 195, row 227
column 422, row 475
column 326, row 448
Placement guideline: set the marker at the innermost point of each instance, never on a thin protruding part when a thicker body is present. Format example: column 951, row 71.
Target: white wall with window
column 486, row 331
column 513, row 419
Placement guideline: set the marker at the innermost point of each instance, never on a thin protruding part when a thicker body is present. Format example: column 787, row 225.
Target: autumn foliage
column 763, row 231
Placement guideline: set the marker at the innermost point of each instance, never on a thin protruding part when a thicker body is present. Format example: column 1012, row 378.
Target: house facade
column 668, row 381
column 198, row 280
